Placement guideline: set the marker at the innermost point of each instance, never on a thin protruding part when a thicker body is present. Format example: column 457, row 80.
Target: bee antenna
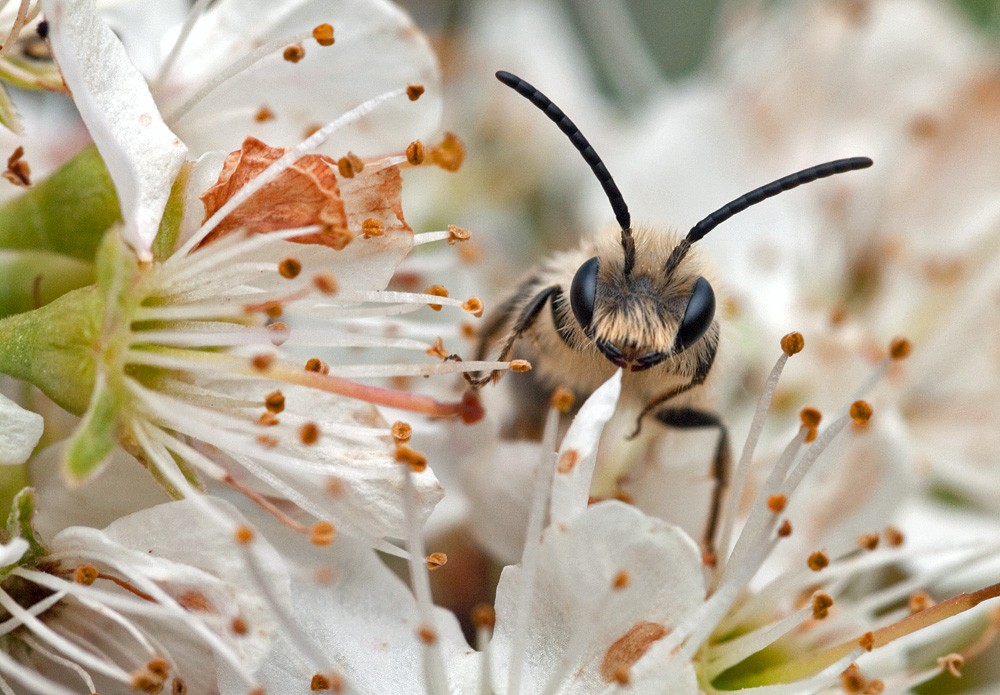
column 590, row 156
column 785, row 183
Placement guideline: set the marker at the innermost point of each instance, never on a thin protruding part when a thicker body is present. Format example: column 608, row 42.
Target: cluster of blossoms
column 209, row 332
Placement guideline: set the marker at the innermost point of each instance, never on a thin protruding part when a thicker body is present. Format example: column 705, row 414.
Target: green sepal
column 31, row 75
column 91, row 444
column 67, row 213
column 22, row 510
column 31, row 279
column 53, row 347
column 173, row 215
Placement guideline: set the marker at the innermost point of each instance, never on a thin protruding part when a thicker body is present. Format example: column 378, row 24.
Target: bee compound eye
column 583, row 292
column 698, row 315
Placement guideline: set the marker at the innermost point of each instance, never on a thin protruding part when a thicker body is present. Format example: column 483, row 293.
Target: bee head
column 639, row 320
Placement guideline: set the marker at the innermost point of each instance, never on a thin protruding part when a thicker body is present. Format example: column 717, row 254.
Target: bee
column 635, row 299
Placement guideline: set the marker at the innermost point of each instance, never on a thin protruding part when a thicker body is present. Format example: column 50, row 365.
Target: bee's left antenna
column 589, row 155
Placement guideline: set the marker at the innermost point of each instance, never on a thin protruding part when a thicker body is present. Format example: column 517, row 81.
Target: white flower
column 157, row 599
column 21, row 431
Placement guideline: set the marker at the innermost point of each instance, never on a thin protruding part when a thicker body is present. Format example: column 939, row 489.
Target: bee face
column 639, row 319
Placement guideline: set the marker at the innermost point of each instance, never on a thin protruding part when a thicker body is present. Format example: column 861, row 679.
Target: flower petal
column 142, row 154
column 19, row 434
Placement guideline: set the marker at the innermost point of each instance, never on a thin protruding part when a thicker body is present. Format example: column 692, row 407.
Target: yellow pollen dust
column 899, row 348
column 776, row 503
column 325, row 283
column 621, row 580
column 274, row 402
column 323, row 33
column 415, row 153
column 437, row 349
column 456, row 234
column 372, row 227
column 322, row 533
column 436, row 291
column 868, row 541
column 562, row 399
column 85, row 574
column 483, row 616
column 289, row 268
column 436, row 560
column 414, row 91
column 294, row 54
column 309, row 433
column 317, row 365
column 411, row 457
column 244, row 535
column 474, row 305
column 262, row 362
column 785, row 530
column 792, row 343
column 401, row 431
column 520, row 366
column 818, row 561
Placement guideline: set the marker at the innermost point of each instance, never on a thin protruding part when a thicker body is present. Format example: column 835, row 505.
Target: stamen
column 30, row 678
column 483, row 619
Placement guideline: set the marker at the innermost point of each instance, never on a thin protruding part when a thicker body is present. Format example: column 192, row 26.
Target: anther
column 338, row 237
column 413, row 91
column 449, row 153
column 322, row 533
column 85, row 574
column 372, row 227
column 262, row 362
column 357, row 163
column 953, row 664
column 622, row 675
column 874, row 687
column 919, row 601
column 268, row 419
column 309, row 433
column 18, row 172
column 319, row 682
column 810, row 418
column 621, row 580
column 436, row 291
column 483, row 616
column 411, row 457
column 520, row 366
column 776, row 503
column 792, row 343
column 178, row 687
column 785, row 530
column 818, row 561
column 279, row 332
column 401, row 432
column 436, row 560
column 317, row 365
column 852, row 680
column 821, row 606
column 294, row 54
column 274, row 311
column 456, row 234
column 159, row 667
column 893, row 536
column 899, row 348
column 468, row 331
column 244, row 535
column 415, row 153
column 861, row 412
column 426, row 634
column 437, row 349
column 868, row 541
column 239, row 626
column 345, row 167
column 562, row 399
column 323, row 33
column 325, row 283
column 264, row 114
column 474, row 305
column 289, row 268
column 267, row 441
column 275, row 402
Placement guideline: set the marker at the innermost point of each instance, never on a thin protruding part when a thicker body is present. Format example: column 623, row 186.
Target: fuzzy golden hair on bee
column 632, row 299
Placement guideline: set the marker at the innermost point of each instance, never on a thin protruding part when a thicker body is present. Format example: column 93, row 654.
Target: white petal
column 578, row 452
column 377, row 49
column 12, row 552
column 142, row 154
column 19, row 433
column 574, row 595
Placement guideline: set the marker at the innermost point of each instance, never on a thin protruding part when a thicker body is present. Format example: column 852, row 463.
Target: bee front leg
column 693, row 418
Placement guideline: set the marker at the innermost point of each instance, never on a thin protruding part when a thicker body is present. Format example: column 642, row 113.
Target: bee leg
column 529, row 314
column 693, row 418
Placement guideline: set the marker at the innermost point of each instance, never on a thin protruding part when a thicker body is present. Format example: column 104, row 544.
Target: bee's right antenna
column 589, row 155
column 785, row 183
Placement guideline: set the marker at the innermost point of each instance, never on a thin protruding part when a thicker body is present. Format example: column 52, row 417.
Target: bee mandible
column 638, row 301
